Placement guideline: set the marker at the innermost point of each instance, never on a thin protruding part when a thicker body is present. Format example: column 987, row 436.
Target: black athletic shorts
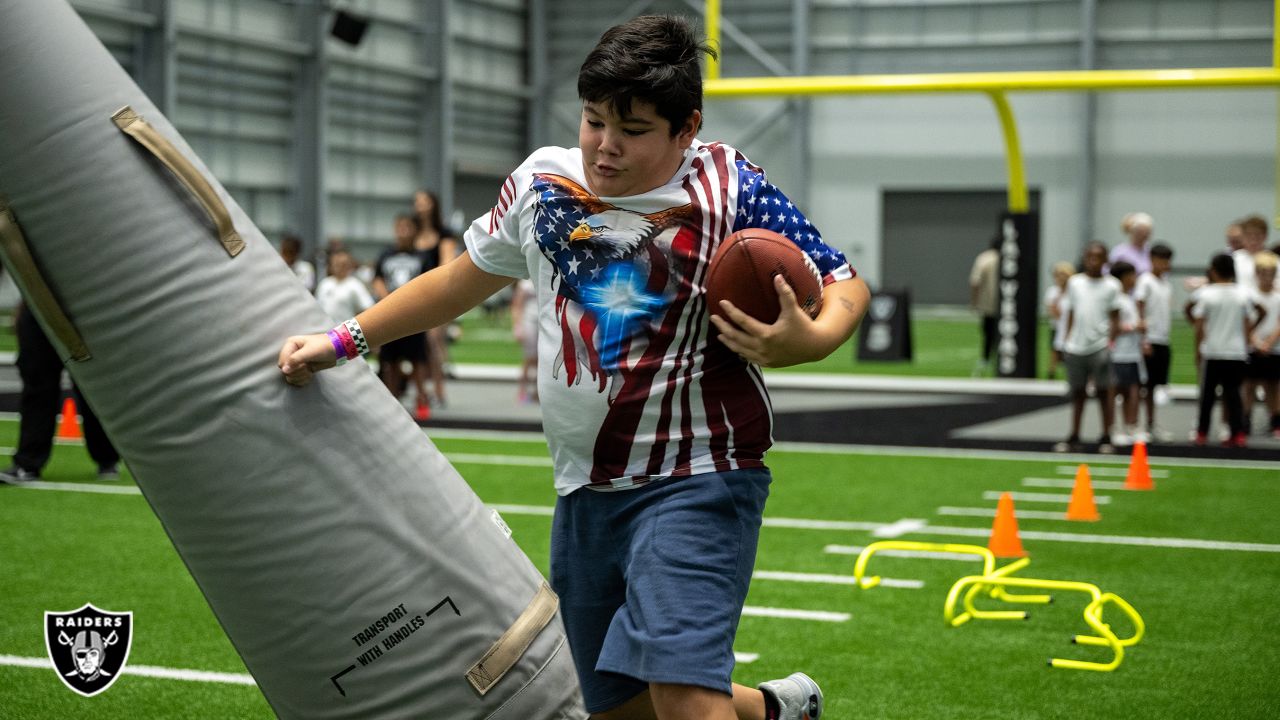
column 1262, row 366
column 412, row 348
column 1157, row 365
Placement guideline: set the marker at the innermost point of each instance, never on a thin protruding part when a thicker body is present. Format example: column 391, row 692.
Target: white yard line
column 826, row 579
column 1041, row 497
column 790, row 614
column 144, row 671
column 804, row 524
column 925, row 554
column 991, row 512
column 899, row 528
column 1108, row 471
column 1065, row 483
column 1166, row 542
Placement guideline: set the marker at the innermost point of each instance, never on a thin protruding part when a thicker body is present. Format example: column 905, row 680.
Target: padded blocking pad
column 353, row 569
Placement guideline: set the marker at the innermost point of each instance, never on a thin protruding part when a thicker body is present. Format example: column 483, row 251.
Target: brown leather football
column 743, row 268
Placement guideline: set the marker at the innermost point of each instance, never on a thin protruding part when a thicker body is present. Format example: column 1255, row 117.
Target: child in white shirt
column 1264, row 344
column 1127, row 370
column 1055, row 303
column 1153, row 296
column 1092, row 317
column 1223, row 320
column 341, row 294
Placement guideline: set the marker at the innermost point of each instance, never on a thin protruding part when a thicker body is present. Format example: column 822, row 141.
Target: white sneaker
column 1122, row 438
column 798, row 697
column 1159, row 434
column 16, row 476
column 1141, row 436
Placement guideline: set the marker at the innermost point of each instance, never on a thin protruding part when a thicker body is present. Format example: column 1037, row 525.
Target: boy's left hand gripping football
column 788, row 341
column 303, row 356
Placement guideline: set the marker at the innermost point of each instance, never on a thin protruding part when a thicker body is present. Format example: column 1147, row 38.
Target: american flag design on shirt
column 612, row 272
column 633, row 385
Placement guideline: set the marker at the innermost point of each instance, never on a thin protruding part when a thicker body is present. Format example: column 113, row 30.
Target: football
column 742, row 272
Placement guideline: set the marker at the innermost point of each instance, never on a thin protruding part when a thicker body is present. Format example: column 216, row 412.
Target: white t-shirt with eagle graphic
column 633, row 386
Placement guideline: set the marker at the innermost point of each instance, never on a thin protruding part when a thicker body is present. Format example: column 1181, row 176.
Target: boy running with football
column 655, row 412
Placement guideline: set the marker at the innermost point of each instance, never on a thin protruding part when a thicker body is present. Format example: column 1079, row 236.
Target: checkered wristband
column 357, row 335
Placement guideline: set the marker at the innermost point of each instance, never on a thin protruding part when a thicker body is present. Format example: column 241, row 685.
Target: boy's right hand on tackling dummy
column 304, row 355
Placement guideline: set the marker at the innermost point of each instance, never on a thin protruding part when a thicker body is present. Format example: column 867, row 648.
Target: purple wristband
column 339, row 348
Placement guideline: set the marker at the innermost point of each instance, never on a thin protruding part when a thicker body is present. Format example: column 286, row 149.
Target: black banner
column 886, row 329
column 1019, row 292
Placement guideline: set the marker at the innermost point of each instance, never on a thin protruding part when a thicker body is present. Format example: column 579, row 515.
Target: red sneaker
column 423, row 413
column 1238, row 440
column 1200, row 439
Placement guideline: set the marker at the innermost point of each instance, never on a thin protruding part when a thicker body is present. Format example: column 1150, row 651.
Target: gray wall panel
column 1194, row 159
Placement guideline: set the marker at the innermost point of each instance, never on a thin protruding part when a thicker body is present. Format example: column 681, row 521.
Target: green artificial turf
column 1210, row 648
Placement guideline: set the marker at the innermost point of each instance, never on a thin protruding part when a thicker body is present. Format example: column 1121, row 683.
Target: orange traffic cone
column 1004, row 540
column 1082, row 506
column 69, row 426
column 1139, row 477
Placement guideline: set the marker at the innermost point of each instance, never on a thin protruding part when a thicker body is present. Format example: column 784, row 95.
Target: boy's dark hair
column 1162, row 251
column 290, row 243
column 652, row 58
column 1223, row 266
column 1120, row 268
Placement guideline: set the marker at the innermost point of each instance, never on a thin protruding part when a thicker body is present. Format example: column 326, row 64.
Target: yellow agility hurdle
column 988, row 569
column 1092, row 614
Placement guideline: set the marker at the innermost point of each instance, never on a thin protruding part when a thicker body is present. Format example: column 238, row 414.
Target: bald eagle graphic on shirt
column 612, row 274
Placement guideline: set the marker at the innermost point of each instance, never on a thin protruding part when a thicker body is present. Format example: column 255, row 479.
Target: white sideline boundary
column 807, row 524
column 152, row 671
column 899, row 451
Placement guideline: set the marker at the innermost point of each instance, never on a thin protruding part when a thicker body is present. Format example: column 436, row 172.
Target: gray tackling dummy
column 355, row 572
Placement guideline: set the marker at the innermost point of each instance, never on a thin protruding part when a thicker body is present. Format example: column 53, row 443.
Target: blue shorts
column 652, row 580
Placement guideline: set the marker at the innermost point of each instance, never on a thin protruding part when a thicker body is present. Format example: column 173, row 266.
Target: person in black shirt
column 395, row 267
